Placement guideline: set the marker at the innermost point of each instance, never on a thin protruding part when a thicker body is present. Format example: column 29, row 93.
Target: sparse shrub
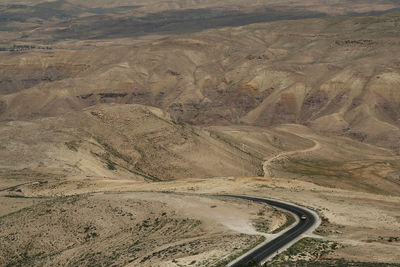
column 72, row 145
column 111, row 165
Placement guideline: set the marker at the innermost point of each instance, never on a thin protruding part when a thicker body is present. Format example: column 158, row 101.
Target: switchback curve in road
column 267, row 163
column 269, row 248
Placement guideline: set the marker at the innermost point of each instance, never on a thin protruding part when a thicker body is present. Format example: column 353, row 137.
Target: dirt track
column 266, row 165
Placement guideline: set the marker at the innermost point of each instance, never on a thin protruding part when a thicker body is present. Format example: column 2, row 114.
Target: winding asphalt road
column 263, row 252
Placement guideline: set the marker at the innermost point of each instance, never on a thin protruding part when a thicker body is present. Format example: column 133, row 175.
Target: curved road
column 266, row 250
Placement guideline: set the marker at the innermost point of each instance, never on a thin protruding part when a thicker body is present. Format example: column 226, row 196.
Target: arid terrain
column 120, row 122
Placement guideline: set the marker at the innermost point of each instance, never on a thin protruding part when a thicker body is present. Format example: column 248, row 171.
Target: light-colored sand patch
column 232, row 215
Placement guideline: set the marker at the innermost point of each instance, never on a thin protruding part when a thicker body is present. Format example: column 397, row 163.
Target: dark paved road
column 271, row 247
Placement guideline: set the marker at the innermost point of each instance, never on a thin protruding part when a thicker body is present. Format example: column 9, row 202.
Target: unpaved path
column 266, row 165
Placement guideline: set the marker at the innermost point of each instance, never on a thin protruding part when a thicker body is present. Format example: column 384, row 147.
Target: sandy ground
column 362, row 220
column 126, row 227
column 357, row 220
column 89, row 173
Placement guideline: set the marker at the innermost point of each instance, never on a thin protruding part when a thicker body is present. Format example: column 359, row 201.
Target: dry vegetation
column 120, row 228
column 118, row 119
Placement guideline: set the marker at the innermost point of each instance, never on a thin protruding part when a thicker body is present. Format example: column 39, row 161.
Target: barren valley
column 121, row 122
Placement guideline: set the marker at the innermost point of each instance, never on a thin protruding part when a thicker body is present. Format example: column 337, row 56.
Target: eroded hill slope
column 131, row 141
column 338, row 76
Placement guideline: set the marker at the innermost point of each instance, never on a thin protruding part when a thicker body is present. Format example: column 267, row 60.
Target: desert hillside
column 144, row 144
column 337, row 76
column 123, row 122
column 136, row 142
column 49, row 21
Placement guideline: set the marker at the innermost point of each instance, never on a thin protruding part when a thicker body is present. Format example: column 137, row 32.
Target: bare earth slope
column 118, row 119
column 117, row 141
column 146, row 229
column 50, row 21
column 135, row 142
column 335, row 75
